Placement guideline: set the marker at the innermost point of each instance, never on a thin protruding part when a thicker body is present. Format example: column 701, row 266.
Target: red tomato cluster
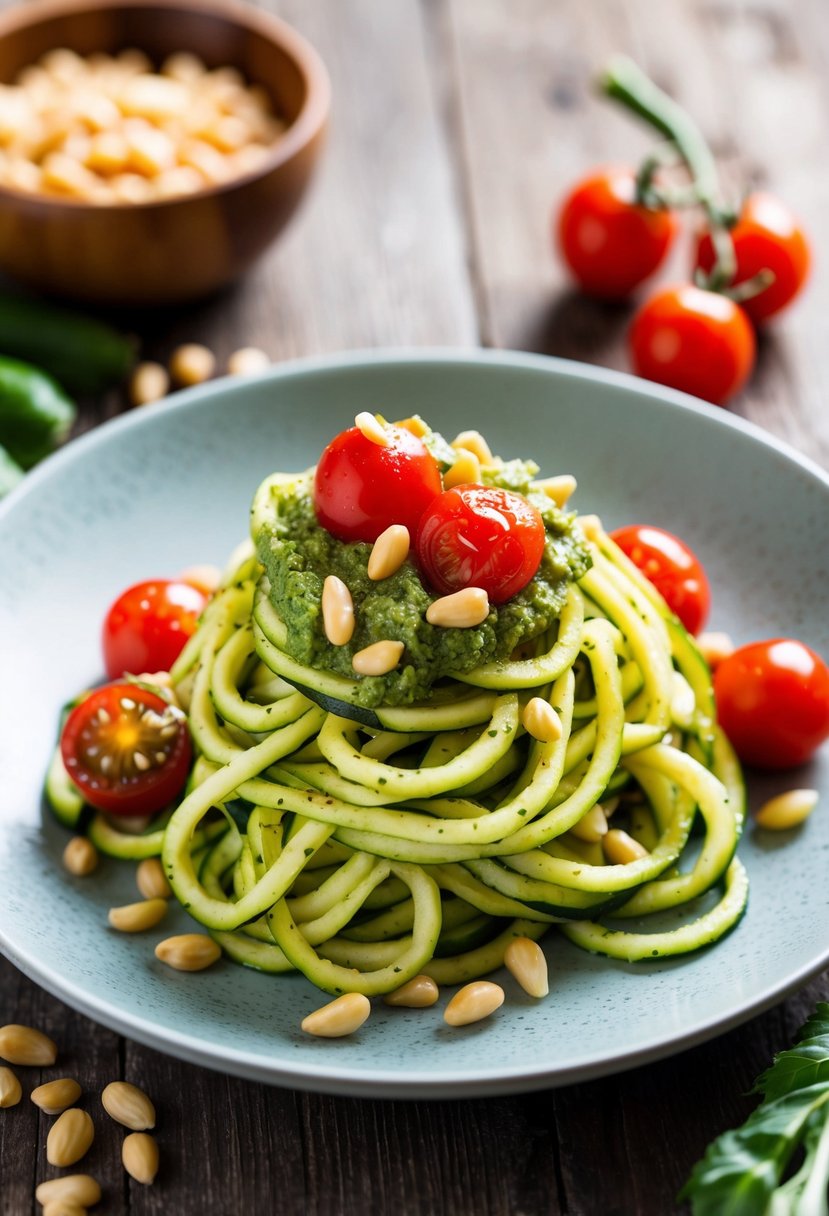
column 687, row 337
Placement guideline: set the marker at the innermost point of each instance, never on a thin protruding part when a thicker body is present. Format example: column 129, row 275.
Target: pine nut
column 715, row 647
column 473, row 1002
column 247, row 361
column 151, row 151
column 139, row 1153
column 129, row 1105
column 461, row 610
column 340, row 1017
column 10, row 1088
column 372, row 429
column 58, row 1207
column 136, row 918
column 378, row 659
column 620, row 849
column 56, row 1096
column 189, row 952
column 389, row 552
column 337, row 611
column 465, row 471
column 541, row 721
column 192, row 364
column 23, row 1045
column 80, row 857
column 79, row 1189
column 151, row 879
column 419, row 993
column 70, row 1137
column 414, row 425
column 592, row 827
column 149, row 382
column 786, row 810
column 474, row 442
column 561, row 489
column 525, row 961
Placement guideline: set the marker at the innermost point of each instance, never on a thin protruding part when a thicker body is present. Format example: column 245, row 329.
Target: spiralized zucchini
column 362, row 855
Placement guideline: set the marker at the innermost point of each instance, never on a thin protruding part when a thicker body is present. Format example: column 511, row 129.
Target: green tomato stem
column 624, row 82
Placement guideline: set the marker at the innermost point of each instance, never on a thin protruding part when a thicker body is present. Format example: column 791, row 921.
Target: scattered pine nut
column 151, row 879
column 414, row 425
column 473, row 1002
column 247, row 362
column 378, row 659
column 372, row 429
column 139, row 1153
column 59, row 1207
column 419, row 993
column 462, row 610
column 149, row 382
column 715, row 647
column 338, row 1018
column 337, row 611
column 525, row 961
column 540, row 720
column 192, row 364
column 79, row 1189
column 389, row 552
column 24, row 1045
column 189, row 952
column 56, row 1096
column 128, row 1105
column 137, row 918
column 559, row 489
column 70, row 1137
column 80, row 857
column 786, row 810
column 474, row 442
column 620, row 849
column 592, row 827
column 10, row 1089
column 465, row 471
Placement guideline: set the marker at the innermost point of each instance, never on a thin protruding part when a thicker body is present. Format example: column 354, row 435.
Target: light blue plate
column 170, row 486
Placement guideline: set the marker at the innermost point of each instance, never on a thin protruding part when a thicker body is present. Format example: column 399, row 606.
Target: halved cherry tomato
column 477, row 536
column 147, row 626
column 773, row 702
column 127, row 750
column 362, row 488
column 693, row 340
column 767, row 236
column 675, row 572
column 610, row 242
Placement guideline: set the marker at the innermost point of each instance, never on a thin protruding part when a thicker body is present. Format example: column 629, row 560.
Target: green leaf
column 742, row 1170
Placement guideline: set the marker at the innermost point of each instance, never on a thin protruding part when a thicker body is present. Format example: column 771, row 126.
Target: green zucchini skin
column 35, row 412
column 85, row 355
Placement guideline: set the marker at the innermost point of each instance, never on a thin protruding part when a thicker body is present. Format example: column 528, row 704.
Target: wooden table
column 456, row 123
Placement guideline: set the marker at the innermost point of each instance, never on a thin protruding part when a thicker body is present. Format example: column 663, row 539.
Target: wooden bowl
column 178, row 249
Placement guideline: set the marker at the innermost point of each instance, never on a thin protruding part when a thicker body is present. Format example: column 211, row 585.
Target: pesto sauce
column 298, row 555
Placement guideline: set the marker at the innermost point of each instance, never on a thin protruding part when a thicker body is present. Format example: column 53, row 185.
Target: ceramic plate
column 170, row 486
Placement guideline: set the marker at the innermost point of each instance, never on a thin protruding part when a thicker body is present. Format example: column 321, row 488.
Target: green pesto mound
column 298, row 555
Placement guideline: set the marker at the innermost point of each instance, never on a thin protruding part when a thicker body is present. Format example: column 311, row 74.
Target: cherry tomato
column 126, row 749
column 147, row 626
column 693, row 340
column 610, row 242
column 362, row 488
column 673, row 569
column 766, row 236
column 773, row 702
column 477, row 536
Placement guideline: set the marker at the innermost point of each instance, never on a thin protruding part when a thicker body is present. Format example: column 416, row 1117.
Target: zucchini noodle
column 363, row 847
column 363, row 855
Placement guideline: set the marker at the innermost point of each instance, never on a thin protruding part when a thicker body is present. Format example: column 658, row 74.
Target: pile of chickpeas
column 111, row 129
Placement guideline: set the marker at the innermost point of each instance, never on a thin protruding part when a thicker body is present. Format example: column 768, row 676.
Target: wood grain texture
column 457, row 124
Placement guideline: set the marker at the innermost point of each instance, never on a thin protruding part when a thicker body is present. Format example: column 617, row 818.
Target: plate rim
column 380, row 1083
